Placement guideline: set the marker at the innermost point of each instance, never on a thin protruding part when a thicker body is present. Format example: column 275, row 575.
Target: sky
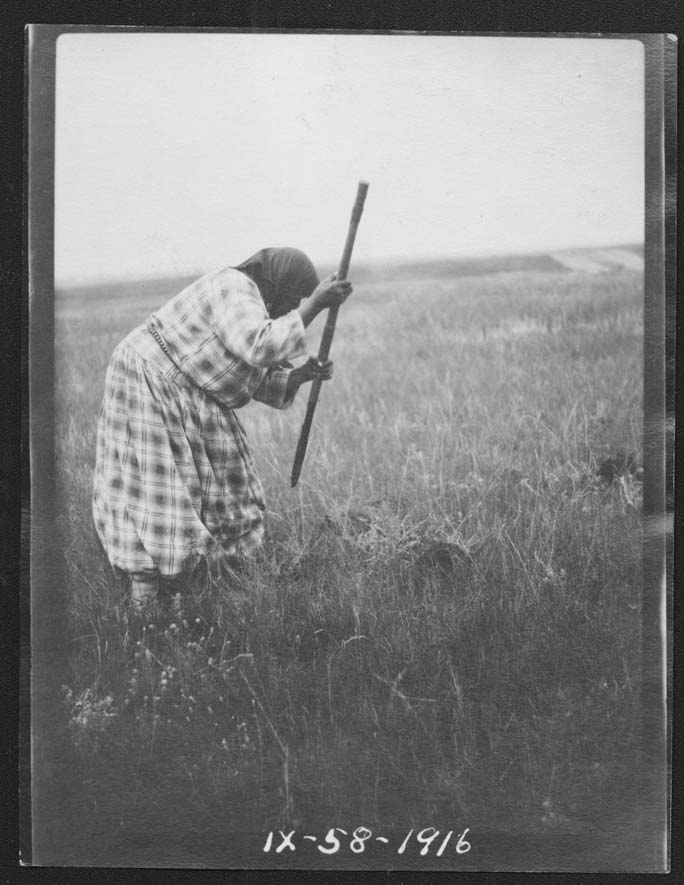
column 181, row 153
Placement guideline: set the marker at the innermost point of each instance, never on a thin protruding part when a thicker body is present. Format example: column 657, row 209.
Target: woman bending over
column 174, row 477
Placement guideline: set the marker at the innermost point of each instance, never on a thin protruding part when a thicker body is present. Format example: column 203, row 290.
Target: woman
column 174, row 478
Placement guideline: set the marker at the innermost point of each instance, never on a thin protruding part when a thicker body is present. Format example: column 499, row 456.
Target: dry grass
column 443, row 628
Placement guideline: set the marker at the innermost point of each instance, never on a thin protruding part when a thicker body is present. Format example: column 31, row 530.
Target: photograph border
column 49, row 784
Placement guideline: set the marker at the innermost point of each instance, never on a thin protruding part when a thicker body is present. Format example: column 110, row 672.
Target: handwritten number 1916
column 427, row 836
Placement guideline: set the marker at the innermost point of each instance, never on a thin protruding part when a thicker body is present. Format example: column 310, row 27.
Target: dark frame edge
column 45, row 609
column 25, row 841
column 653, row 775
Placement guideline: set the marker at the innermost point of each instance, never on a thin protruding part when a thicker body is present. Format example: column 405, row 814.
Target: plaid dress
column 174, row 479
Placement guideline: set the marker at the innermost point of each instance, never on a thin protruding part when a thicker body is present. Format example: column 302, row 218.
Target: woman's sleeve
column 273, row 389
column 242, row 323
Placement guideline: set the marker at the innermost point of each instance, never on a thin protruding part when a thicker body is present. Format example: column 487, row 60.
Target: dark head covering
column 284, row 276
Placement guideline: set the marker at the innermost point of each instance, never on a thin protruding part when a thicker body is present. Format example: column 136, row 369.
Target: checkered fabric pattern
column 174, row 479
column 219, row 334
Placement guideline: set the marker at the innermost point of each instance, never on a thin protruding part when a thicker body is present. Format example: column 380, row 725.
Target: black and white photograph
column 349, row 513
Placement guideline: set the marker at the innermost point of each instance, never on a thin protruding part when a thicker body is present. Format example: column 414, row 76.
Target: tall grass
column 443, row 626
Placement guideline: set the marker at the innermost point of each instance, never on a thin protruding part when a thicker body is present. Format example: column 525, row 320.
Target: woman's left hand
column 316, row 371
column 312, row 370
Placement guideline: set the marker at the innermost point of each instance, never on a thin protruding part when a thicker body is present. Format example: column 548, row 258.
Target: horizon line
column 398, row 260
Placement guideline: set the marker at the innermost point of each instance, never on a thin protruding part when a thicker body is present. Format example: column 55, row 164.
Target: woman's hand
column 330, row 292
column 312, row 370
column 315, row 371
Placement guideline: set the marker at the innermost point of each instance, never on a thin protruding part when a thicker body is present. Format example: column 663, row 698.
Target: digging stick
column 328, row 332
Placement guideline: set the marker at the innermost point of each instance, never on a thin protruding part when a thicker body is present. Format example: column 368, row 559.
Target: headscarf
column 283, row 276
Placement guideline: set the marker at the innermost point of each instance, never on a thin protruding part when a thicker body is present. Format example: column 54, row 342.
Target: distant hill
column 599, row 260
column 144, row 290
column 156, row 291
column 582, row 260
column 454, row 267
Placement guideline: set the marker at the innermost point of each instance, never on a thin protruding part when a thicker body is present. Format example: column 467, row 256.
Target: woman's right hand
column 330, row 292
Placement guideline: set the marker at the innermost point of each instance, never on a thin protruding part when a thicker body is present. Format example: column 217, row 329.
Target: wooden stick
column 328, row 333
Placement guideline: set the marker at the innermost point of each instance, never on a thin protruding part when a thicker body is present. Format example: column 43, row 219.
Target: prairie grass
column 443, row 627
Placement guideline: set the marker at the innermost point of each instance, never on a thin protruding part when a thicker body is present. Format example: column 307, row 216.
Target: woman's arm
column 236, row 313
column 281, row 383
column 241, row 322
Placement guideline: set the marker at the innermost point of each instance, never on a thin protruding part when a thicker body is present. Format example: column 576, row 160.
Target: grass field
column 443, row 629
